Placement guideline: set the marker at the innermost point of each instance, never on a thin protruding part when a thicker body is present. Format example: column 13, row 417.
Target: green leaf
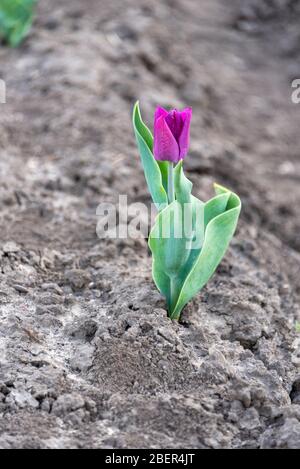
column 221, row 214
column 169, row 246
column 16, row 18
column 181, row 267
column 183, row 186
column 155, row 172
column 167, row 238
column 172, row 249
column 163, row 166
column 215, row 207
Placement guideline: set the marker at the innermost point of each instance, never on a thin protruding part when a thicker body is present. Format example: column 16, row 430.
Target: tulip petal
column 165, row 146
column 175, row 123
column 184, row 139
column 160, row 111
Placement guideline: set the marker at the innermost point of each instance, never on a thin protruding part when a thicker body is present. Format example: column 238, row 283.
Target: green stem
column 173, row 296
column 171, row 194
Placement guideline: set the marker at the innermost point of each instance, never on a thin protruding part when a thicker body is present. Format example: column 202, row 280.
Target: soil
column 88, row 357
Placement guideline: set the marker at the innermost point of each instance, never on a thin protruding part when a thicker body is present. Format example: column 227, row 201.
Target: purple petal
column 175, row 123
column 184, row 139
column 165, row 146
column 160, row 111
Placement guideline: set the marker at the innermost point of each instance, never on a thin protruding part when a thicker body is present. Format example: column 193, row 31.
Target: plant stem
column 173, row 296
column 171, row 194
column 171, row 197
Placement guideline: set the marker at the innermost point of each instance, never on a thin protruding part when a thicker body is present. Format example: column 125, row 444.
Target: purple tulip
column 171, row 134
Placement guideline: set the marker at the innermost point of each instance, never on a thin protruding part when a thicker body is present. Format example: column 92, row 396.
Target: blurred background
column 66, row 136
column 83, row 331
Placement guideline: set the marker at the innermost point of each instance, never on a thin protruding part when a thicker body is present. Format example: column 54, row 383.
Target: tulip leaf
column 218, row 234
column 180, row 269
column 16, row 18
column 215, row 207
column 183, row 187
column 169, row 246
column 156, row 175
column 172, row 239
column 163, row 166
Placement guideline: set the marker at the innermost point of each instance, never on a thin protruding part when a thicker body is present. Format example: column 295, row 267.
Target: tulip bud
column 171, row 134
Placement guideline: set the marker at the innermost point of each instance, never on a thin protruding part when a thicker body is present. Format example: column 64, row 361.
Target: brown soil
column 88, row 357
